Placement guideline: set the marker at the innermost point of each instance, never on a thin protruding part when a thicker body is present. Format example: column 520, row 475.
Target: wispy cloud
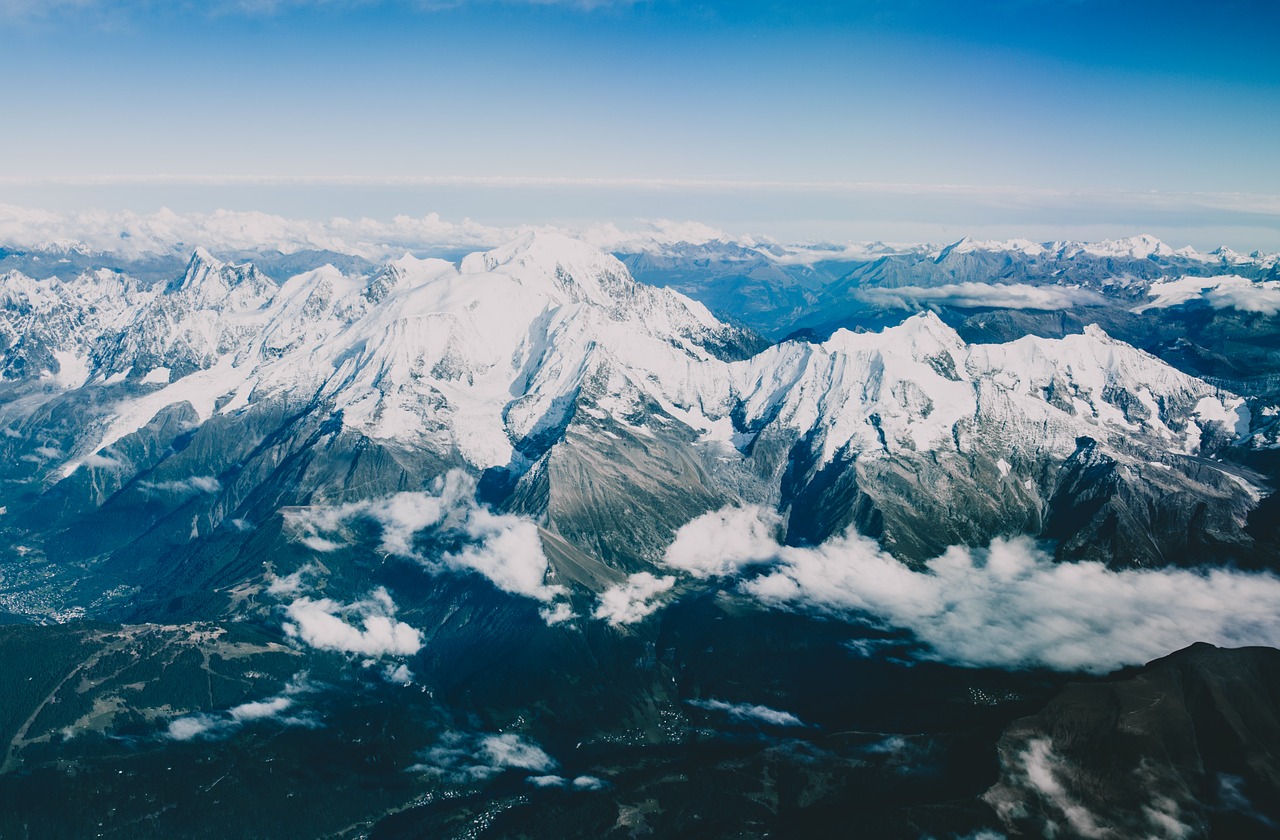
column 1036, row 770
column 587, row 783
column 129, row 234
column 125, row 10
column 748, row 712
column 281, row 708
column 976, row 295
column 1010, row 195
column 505, row 549
column 179, row 487
column 461, row 758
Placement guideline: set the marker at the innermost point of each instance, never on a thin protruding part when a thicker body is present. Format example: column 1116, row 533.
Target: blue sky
column 1066, row 116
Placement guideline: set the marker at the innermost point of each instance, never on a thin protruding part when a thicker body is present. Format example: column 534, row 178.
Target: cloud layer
column 1224, row 292
column 1009, row 605
column 980, row 295
column 131, row 234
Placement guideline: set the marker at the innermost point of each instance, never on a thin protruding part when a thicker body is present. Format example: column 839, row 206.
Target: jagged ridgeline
column 521, row 526
column 152, row 435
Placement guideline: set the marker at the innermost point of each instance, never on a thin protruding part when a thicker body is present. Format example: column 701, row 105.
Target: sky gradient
column 855, row 120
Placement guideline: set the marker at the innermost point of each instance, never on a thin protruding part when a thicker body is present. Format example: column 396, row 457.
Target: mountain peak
column 544, row 249
column 560, row 265
column 962, row 246
column 202, row 255
column 198, row 271
column 208, row 283
column 926, row 328
column 1142, row 246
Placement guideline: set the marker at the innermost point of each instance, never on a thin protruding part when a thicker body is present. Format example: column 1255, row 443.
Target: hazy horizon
column 857, row 121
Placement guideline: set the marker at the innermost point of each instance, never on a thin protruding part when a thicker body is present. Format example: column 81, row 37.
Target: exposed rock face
column 1189, row 746
column 610, row 412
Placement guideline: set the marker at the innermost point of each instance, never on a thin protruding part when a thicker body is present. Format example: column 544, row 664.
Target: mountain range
column 581, row 531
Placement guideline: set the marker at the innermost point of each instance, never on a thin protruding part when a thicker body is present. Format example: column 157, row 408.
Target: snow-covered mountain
column 438, row 513
column 610, row 412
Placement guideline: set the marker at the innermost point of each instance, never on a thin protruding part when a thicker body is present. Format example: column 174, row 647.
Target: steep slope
column 610, row 412
column 1182, row 748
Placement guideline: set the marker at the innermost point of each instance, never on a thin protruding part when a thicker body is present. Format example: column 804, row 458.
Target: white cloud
column 586, row 783
column 633, row 600
column 115, row 12
column 398, row 674
column 1232, row 796
column 508, row 551
column 749, row 712
column 723, row 542
column 1010, row 605
column 1034, row 769
column 261, row 709
column 511, row 750
column 130, row 234
column 405, row 514
column 547, row 781
column 1229, row 291
column 1037, row 776
column 209, row 725
column 973, row 295
column 367, row 627
column 100, row 461
column 505, row 549
column 294, row 583
column 557, row 613
column 194, row 726
column 460, row 758
column 194, row 484
column 1263, row 298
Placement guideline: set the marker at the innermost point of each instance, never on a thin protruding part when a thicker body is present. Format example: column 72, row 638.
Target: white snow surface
column 476, row 357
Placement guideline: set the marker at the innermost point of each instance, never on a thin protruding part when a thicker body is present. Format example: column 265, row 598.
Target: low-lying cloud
column 980, row 296
column 281, row 708
column 748, row 712
column 367, row 627
column 460, row 758
column 182, row 487
column 586, row 783
column 1008, row 605
column 722, row 542
column 1262, row 298
column 130, row 234
column 1229, row 291
column 505, row 549
column 633, row 600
